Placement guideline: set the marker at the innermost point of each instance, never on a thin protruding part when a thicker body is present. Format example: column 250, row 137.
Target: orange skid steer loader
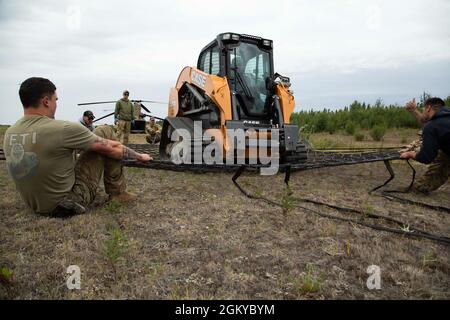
column 234, row 87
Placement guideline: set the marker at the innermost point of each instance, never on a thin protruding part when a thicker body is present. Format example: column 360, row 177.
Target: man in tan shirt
column 39, row 155
column 153, row 131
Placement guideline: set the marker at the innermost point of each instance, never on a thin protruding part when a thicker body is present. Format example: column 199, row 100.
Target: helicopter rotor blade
column 147, row 115
column 108, row 115
column 103, row 102
column 145, row 108
column 150, row 116
column 150, row 101
column 90, row 103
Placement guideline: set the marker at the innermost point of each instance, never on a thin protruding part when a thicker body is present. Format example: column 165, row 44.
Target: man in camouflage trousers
column 153, row 131
column 124, row 115
column 433, row 148
column 39, row 156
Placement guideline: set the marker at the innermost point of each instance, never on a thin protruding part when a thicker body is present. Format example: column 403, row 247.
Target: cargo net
column 315, row 159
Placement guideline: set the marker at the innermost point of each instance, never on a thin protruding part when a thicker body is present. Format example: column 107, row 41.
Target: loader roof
column 223, row 37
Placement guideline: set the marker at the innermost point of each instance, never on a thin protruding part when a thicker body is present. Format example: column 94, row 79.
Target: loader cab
column 247, row 63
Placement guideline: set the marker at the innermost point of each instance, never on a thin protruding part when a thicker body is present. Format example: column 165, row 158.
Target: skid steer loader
column 233, row 87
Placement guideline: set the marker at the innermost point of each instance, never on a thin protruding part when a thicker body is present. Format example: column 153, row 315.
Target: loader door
column 249, row 67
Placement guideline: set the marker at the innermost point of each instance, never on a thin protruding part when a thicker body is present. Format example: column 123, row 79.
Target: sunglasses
column 126, row 94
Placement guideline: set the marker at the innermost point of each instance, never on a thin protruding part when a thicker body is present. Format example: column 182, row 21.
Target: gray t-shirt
column 39, row 156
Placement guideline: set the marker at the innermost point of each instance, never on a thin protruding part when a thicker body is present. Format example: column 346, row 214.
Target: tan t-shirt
column 39, row 156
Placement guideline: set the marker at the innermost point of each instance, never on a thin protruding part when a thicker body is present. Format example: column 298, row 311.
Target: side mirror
column 270, row 84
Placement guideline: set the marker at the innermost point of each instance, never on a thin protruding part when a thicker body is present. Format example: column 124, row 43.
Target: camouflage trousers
column 89, row 169
column 436, row 175
column 153, row 137
column 123, row 131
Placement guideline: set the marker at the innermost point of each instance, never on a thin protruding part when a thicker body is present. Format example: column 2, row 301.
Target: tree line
column 359, row 116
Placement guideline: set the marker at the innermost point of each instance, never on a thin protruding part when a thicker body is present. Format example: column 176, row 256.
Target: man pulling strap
column 39, row 155
column 435, row 149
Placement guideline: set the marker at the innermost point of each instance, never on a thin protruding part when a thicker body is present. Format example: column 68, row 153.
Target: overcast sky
column 334, row 51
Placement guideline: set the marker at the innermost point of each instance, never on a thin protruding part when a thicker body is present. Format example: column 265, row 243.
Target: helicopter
column 138, row 125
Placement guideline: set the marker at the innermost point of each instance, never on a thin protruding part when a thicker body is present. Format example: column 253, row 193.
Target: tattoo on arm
column 129, row 154
column 102, row 141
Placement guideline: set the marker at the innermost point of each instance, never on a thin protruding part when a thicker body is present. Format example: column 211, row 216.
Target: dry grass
column 194, row 236
column 393, row 138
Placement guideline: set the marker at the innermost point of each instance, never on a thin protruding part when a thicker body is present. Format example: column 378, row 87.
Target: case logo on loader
column 251, row 122
column 198, row 79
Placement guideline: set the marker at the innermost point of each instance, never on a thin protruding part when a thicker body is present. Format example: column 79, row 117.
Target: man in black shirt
column 435, row 148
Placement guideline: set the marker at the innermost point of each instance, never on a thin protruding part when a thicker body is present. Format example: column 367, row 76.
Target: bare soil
column 195, row 236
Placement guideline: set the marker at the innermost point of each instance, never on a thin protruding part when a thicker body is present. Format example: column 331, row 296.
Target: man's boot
column 123, row 197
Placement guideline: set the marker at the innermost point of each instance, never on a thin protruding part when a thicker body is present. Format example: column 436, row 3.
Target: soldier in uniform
column 39, row 156
column 153, row 131
column 123, row 115
column 434, row 148
column 87, row 120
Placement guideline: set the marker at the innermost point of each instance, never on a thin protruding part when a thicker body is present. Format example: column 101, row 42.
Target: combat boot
column 67, row 207
column 123, row 197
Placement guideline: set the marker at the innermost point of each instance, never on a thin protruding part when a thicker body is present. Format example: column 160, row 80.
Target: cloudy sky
column 334, row 51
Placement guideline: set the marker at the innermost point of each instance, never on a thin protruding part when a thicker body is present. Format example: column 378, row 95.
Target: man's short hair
column 435, row 103
column 33, row 89
column 89, row 114
column 126, row 92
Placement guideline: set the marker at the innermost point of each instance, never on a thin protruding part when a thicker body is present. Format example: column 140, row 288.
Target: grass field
column 195, row 236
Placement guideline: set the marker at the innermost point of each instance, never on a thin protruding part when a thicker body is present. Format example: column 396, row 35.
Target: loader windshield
column 250, row 66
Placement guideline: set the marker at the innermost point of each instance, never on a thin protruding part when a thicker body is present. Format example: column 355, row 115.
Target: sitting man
column 435, row 149
column 153, row 131
column 87, row 120
column 39, row 156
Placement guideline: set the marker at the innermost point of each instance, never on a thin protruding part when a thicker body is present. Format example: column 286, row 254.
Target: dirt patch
column 195, row 236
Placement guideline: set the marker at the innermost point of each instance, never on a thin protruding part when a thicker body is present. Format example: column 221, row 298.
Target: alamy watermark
column 74, row 280
column 73, row 18
column 374, row 280
column 242, row 147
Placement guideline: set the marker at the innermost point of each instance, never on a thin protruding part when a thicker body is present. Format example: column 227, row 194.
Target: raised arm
column 411, row 106
column 116, row 150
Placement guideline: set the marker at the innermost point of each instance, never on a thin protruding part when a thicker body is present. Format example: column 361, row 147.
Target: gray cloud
column 335, row 51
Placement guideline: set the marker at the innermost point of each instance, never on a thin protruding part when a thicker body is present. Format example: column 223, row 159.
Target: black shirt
column 436, row 135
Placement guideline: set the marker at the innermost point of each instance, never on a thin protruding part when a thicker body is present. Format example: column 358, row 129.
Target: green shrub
column 332, row 126
column 6, row 275
column 350, row 128
column 310, row 283
column 287, row 201
column 378, row 132
column 306, row 131
column 113, row 207
column 114, row 247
